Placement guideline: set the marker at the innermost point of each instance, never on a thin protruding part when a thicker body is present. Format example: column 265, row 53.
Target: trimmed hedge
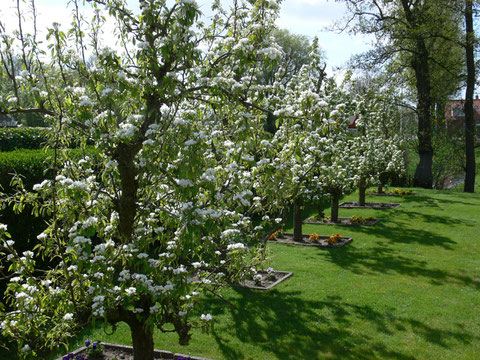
column 28, row 163
column 31, row 165
column 22, row 138
column 25, row 227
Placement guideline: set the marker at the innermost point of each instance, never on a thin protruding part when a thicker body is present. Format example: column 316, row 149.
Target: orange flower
column 313, row 237
column 334, row 238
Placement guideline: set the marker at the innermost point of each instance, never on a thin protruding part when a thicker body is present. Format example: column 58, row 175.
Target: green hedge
column 31, row 165
column 22, row 138
column 25, row 227
column 28, row 163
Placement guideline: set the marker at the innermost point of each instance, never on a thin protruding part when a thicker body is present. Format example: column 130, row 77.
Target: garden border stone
column 368, row 205
column 158, row 354
column 286, row 275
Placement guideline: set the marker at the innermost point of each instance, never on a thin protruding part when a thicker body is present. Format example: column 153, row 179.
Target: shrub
column 22, row 138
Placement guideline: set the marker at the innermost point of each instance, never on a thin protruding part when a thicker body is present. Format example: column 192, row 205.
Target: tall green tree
column 469, row 185
column 405, row 31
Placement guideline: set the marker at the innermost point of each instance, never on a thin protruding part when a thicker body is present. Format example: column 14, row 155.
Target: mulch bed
column 341, row 221
column 368, row 205
column 122, row 352
column 321, row 242
column 268, row 280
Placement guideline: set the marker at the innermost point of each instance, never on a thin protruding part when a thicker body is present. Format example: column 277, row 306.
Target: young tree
column 162, row 212
column 294, row 149
column 337, row 166
column 377, row 148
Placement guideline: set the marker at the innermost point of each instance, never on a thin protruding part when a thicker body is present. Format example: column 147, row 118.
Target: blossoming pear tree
column 161, row 212
column 376, row 146
column 294, row 150
column 337, row 167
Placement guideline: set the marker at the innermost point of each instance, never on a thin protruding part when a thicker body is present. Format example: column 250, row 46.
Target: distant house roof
column 7, row 121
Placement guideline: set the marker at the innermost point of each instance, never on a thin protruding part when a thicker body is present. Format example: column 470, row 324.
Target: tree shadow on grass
column 427, row 201
column 431, row 218
column 396, row 233
column 291, row 327
column 382, row 259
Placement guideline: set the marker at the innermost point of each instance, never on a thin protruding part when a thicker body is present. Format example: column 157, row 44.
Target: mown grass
column 406, row 288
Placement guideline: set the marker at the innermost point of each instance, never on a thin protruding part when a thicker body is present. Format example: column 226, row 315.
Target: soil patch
column 368, row 205
column 321, row 241
column 122, row 352
column 266, row 280
column 351, row 221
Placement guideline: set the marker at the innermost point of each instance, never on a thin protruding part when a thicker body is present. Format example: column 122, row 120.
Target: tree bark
column 469, row 185
column 269, row 125
column 334, row 209
column 142, row 339
column 127, row 203
column 423, row 174
column 380, row 189
column 321, row 210
column 297, row 219
column 361, row 195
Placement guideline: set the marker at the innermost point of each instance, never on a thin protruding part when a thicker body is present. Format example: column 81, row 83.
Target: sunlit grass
column 406, row 288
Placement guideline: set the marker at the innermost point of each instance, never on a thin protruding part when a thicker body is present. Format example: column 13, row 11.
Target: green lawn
column 406, row 288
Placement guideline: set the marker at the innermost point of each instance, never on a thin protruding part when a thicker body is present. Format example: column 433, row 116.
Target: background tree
column 404, row 31
column 469, row 185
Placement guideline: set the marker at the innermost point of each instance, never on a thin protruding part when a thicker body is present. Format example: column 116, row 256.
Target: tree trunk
column 383, row 178
column 469, row 185
column 361, row 194
column 142, row 342
column 423, row 174
column 334, row 210
column 269, row 125
column 321, row 210
column 127, row 203
column 297, row 219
